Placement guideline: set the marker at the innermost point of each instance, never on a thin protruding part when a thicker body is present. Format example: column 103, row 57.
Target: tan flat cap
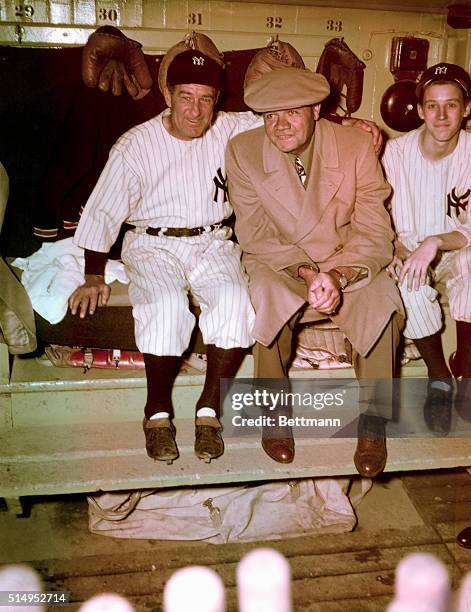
column 285, row 88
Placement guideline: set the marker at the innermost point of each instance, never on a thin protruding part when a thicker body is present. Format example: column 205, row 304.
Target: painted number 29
column 24, row 10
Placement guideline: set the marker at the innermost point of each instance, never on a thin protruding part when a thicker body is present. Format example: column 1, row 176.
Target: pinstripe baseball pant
column 424, row 316
column 162, row 270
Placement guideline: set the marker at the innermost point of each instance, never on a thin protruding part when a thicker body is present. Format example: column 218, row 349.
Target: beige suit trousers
column 378, row 367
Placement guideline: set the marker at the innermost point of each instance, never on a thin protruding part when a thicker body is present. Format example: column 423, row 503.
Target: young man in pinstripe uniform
column 430, row 172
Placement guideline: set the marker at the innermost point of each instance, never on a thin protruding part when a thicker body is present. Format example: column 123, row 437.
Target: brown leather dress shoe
column 160, row 440
column 278, row 443
column 208, row 440
column 464, row 538
column 281, row 450
column 371, row 454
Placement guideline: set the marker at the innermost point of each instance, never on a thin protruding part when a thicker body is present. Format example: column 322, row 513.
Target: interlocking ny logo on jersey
column 198, row 60
column 220, row 183
column 458, row 202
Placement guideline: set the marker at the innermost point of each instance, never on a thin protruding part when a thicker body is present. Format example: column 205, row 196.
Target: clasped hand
column 323, row 293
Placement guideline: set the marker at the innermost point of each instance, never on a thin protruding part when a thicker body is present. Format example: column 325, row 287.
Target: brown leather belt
column 184, row 232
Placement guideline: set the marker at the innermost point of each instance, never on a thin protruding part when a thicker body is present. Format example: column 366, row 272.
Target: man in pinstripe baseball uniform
column 167, row 178
column 430, row 172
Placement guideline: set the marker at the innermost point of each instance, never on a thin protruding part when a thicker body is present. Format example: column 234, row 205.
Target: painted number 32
column 274, row 22
column 334, row 26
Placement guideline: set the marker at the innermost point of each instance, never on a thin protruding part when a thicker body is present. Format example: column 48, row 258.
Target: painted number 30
column 107, row 14
column 334, row 26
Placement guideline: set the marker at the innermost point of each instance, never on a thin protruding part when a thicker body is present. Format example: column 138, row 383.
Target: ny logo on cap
column 198, row 61
column 441, row 69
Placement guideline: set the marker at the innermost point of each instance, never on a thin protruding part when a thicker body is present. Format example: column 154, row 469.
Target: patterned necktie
column 300, row 170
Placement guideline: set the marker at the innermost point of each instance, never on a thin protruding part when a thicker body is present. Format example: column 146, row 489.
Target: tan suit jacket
column 339, row 220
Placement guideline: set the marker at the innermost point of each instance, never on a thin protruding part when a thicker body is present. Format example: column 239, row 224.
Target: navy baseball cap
column 193, row 66
column 444, row 72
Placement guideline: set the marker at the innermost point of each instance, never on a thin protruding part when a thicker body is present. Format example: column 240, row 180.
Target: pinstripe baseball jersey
column 429, row 198
column 153, row 179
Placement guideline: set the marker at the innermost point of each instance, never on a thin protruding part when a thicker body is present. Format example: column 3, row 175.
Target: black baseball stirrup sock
column 463, row 348
column 161, row 373
column 222, row 363
column 431, row 351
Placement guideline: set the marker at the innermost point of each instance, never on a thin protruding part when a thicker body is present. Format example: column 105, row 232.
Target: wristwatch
column 314, row 268
column 341, row 278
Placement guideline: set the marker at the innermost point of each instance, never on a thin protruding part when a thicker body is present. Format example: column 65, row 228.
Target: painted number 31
column 195, row 18
column 334, row 26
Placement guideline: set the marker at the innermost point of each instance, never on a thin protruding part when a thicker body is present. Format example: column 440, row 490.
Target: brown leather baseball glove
column 277, row 54
column 341, row 67
column 111, row 59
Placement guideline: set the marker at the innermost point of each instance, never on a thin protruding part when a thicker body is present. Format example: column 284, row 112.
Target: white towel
column 52, row 274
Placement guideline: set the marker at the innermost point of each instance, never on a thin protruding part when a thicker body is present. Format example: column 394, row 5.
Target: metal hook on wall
column 20, row 32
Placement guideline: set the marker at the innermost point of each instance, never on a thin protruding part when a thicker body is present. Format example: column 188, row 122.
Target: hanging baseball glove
column 341, row 67
column 277, row 54
column 111, row 59
column 193, row 40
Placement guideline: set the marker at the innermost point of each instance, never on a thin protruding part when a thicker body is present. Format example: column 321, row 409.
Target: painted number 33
column 333, row 25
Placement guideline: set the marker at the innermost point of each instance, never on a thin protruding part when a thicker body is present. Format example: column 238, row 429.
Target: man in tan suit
column 310, row 217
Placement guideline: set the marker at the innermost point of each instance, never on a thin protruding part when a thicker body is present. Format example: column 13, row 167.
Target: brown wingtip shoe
column 279, row 449
column 371, row 453
column 160, row 440
column 277, row 440
column 370, row 456
column 208, row 440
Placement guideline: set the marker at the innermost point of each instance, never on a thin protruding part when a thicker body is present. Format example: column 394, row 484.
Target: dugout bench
column 63, row 430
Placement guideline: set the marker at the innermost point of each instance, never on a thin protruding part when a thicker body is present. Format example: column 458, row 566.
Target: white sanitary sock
column 205, row 412
column 160, row 415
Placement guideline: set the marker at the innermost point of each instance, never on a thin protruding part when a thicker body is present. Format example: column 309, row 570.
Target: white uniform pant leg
column 158, row 292
column 456, row 269
column 423, row 311
column 220, row 285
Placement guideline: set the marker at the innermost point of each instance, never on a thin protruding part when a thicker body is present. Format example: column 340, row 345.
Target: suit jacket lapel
column 297, row 210
column 283, row 185
column 324, row 180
